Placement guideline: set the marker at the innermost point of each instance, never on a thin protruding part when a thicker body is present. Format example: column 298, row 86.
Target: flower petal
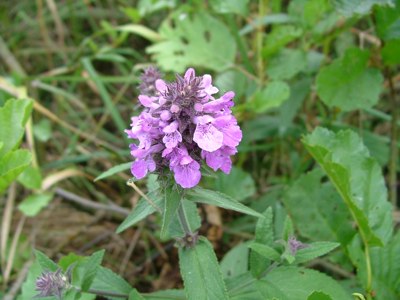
column 208, row 137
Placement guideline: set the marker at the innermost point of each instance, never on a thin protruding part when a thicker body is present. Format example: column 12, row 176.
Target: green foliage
column 172, row 201
column 201, row 273
column 264, row 237
column 360, row 7
column 298, row 283
column 348, row 83
column 272, row 96
column 33, row 204
column 201, row 195
column 194, row 41
column 114, row 170
column 358, row 179
column 310, row 202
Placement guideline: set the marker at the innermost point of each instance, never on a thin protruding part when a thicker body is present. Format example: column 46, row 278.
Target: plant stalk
column 394, row 151
column 183, row 220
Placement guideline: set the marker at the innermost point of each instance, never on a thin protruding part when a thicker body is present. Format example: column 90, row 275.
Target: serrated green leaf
column 319, row 296
column 310, row 202
column 235, row 262
column 135, row 295
column 299, row 283
column 272, row 96
column 286, row 64
column 90, row 268
column 201, row 273
column 141, row 211
column 348, row 83
column 172, row 201
column 358, row 7
column 31, row 178
column 167, row 294
column 45, row 263
column 386, row 269
column 264, row 235
column 13, row 117
column 114, row 170
column 11, row 165
column 265, row 251
column 194, row 41
column 314, row 250
column 33, row 204
column 358, row 179
column 107, row 280
column 205, row 196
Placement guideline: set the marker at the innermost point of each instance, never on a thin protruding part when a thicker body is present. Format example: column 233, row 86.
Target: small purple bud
column 295, row 245
column 174, row 108
column 148, row 81
column 51, row 284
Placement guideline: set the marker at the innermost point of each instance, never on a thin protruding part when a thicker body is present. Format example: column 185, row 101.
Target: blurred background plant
column 293, row 65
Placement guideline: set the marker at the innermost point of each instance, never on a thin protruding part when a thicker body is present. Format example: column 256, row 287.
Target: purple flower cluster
column 181, row 124
column 51, row 284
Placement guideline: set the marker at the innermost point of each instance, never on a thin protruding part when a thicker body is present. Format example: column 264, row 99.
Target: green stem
column 394, row 152
column 262, row 7
column 183, row 220
column 104, row 293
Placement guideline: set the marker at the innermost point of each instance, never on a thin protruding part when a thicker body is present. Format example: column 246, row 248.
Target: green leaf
column 140, row 30
column 391, row 52
column 135, row 295
column 286, row 64
column 310, row 202
column 299, row 283
column 273, row 95
column 33, row 204
column 107, row 280
column 194, row 41
column 141, row 211
column 45, row 263
column 314, row 250
column 31, row 178
column 348, row 83
column 192, row 215
column 265, row 251
column 205, row 196
column 42, row 130
column 227, row 184
column 386, row 269
column 235, row 262
column 358, row 179
column 239, row 7
column 167, row 294
column 358, row 7
column 90, row 268
column 11, row 165
column 114, row 170
column 280, row 36
column 201, row 273
column 319, row 296
column 13, row 117
column 264, row 236
column 172, row 200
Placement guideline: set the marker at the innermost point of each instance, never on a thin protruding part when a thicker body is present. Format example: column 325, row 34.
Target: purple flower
column 183, row 123
column 51, row 284
column 295, row 245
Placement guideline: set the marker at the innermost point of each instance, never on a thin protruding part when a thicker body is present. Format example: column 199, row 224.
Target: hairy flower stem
column 183, row 220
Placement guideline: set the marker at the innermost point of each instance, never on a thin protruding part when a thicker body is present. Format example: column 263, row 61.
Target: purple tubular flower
column 182, row 123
